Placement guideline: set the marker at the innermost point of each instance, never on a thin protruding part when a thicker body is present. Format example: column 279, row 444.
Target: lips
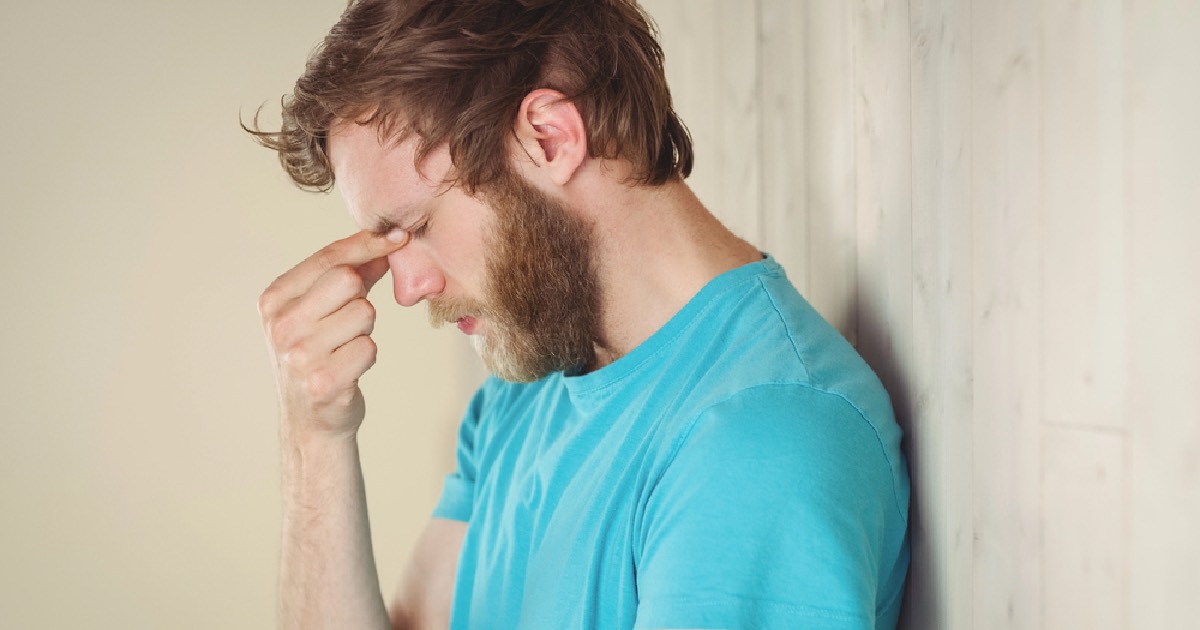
column 466, row 324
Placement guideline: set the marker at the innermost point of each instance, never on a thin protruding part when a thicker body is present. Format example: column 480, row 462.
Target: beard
column 541, row 297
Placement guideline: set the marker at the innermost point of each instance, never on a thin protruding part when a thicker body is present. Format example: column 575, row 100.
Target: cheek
column 460, row 246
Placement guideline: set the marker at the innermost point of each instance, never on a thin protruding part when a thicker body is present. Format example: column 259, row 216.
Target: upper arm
column 778, row 507
column 425, row 595
column 426, row 592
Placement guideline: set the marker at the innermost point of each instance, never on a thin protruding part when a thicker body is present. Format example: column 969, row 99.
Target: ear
column 551, row 132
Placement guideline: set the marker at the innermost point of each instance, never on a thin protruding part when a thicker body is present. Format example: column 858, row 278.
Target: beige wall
column 138, row 455
column 995, row 200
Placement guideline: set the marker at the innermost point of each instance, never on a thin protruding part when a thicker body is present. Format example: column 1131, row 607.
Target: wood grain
column 941, row 290
column 1083, row 213
column 1162, row 100
column 1007, row 246
column 1083, row 498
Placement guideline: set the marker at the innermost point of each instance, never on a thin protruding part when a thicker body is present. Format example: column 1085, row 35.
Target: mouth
column 466, row 324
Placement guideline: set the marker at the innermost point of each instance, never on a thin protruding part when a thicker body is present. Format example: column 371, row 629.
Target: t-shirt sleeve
column 458, row 488
column 778, row 509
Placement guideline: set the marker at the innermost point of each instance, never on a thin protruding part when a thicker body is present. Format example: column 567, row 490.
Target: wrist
column 305, row 434
column 314, row 460
column 306, row 420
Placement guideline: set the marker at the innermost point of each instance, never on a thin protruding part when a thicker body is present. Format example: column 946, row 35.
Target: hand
column 318, row 324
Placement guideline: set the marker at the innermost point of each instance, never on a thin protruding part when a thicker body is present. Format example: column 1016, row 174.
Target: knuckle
column 371, row 349
column 279, row 330
column 320, row 385
column 362, row 346
column 267, row 302
column 366, row 348
column 325, row 259
column 365, row 308
column 350, row 279
column 298, row 357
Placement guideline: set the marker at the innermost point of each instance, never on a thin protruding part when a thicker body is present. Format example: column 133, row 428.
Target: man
column 672, row 437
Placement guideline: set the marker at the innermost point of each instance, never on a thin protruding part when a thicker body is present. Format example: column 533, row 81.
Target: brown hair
column 456, row 71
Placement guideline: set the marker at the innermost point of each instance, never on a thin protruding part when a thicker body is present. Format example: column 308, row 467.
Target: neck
column 655, row 248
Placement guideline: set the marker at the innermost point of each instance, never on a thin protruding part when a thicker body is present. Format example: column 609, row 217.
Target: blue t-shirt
column 739, row 469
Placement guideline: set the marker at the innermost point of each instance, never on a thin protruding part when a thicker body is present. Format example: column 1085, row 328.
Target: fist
column 318, row 324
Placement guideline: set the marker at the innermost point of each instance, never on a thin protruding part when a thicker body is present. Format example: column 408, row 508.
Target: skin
column 653, row 249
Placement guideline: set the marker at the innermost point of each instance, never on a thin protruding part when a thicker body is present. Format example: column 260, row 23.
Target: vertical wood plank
column 1007, row 246
column 830, row 258
column 940, row 55
column 711, row 52
column 884, row 320
column 1083, row 500
column 1163, row 99
column 883, row 191
column 785, row 213
column 1084, row 262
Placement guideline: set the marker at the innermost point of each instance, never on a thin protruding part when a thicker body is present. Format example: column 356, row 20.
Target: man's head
column 418, row 105
column 512, row 266
column 454, row 72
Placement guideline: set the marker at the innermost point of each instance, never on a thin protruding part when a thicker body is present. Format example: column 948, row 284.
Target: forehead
column 379, row 181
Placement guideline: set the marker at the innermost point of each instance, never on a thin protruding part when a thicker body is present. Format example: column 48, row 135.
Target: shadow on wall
column 922, row 597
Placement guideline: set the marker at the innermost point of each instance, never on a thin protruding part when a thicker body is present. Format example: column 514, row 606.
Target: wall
column 996, row 201
column 139, row 478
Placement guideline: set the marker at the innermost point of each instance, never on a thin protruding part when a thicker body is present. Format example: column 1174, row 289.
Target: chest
column 558, row 512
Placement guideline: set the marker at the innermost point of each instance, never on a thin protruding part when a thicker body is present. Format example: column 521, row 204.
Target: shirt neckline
column 626, row 366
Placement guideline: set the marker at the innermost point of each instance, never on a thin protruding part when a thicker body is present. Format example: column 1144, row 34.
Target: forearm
column 328, row 577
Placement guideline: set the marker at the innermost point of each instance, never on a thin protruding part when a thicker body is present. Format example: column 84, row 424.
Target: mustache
column 444, row 311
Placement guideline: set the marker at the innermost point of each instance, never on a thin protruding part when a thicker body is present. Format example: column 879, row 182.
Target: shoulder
column 783, row 396
column 763, row 352
column 817, row 442
column 761, row 324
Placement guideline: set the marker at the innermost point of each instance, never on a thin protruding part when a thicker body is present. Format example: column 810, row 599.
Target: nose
column 414, row 277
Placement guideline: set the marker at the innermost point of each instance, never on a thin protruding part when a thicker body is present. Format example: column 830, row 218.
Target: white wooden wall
column 997, row 202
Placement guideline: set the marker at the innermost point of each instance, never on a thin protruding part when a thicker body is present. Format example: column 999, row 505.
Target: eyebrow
column 411, row 215
column 383, row 226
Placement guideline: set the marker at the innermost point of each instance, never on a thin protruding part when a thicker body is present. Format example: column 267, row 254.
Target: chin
column 503, row 364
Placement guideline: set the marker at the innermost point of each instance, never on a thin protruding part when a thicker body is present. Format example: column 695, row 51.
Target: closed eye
column 418, row 230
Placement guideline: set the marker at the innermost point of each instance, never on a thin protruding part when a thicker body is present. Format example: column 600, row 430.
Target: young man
column 673, row 438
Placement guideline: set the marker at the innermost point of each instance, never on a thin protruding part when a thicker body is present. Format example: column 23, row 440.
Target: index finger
column 355, row 250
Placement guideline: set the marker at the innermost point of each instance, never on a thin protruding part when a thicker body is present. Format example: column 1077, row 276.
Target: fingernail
column 397, row 236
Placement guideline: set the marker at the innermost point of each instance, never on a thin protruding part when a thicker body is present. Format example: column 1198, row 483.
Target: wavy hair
column 456, row 71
